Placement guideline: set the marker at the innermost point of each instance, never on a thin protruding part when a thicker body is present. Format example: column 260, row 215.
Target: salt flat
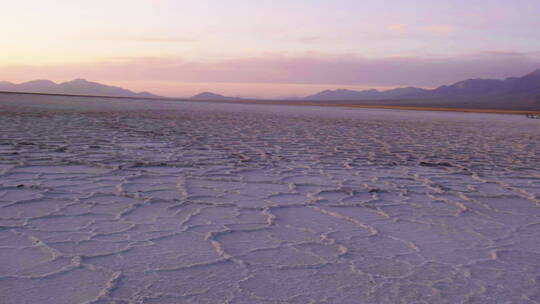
column 119, row 201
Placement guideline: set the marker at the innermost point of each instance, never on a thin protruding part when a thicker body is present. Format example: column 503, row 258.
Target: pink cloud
column 164, row 39
column 342, row 70
column 396, row 28
column 439, row 29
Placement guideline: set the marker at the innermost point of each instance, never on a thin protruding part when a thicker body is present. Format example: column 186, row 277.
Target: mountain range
column 211, row 96
column 74, row 87
column 514, row 92
column 526, row 86
column 372, row 94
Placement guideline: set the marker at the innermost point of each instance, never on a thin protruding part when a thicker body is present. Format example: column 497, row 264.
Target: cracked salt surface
column 120, row 201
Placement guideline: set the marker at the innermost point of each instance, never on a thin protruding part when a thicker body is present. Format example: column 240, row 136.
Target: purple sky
column 268, row 48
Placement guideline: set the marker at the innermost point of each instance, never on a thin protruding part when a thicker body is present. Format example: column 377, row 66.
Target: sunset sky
column 265, row 48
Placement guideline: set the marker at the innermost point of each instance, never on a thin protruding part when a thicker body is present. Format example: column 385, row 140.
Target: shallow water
column 115, row 201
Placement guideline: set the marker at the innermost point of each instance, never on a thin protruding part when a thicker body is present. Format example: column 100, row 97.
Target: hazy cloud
column 136, row 38
column 439, row 29
column 396, row 28
column 309, row 69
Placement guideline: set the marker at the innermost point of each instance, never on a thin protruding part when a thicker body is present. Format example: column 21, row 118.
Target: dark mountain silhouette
column 74, row 87
column 510, row 93
column 528, row 84
column 402, row 92
column 522, row 88
column 342, row 94
column 211, row 96
column 36, row 85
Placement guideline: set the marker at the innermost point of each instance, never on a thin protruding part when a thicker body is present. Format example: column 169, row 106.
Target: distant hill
column 342, row 94
column 528, row 84
column 74, row 87
column 526, row 88
column 211, row 96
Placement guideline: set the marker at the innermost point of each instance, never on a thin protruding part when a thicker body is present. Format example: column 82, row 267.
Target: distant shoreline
column 383, row 107
column 302, row 103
